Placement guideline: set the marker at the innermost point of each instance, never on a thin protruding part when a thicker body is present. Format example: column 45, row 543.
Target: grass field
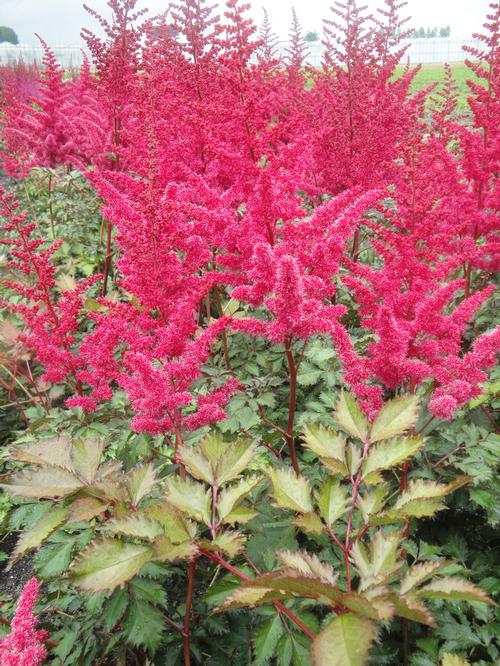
column 429, row 74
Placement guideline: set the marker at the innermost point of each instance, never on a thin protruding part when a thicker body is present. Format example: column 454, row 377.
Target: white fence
column 432, row 50
column 67, row 56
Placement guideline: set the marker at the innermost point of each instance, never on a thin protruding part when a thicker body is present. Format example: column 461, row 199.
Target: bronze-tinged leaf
column 86, row 456
column 418, row 573
column 232, row 495
column 388, row 454
column 290, row 581
column 245, row 597
column 307, row 565
column 452, row 587
column 108, row 563
column 350, row 417
column 54, row 451
column 333, row 501
column 190, row 497
column 42, row 482
column 309, row 522
column 230, row 542
column 110, row 488
column 84, row 509
column 290, row 491
column 396, row 417
column 329, row 446
column 140, row 481
column 345, row 641
column 34, row 536
column 413, row 609
column 176, row 526
column 137, row 526
column 166, row 551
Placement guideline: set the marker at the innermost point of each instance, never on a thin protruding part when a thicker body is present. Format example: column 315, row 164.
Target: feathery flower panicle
column 24, row 645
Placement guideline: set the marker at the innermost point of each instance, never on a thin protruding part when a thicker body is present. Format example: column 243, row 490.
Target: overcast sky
column 59, row 21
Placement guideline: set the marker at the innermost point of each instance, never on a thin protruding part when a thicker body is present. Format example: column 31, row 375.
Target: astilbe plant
column 250, row 206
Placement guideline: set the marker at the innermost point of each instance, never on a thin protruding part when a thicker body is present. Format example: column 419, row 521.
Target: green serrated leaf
column 138, row 526
column 140, row 481
column 230, row 542
column 189, row 497
column 114, row 609
column 290, row 491
column 381, row 561
column 108, row 563
column 388, row 454
column 451, row 587
column 167, row 551
column 240, row 514
column 33, row 537
column 418, row 573
column 372, row 502
column 345, row 641
column 309, row 522
column 232, row 495
column 396, row 417
column 413, row 609
column 144, row 625
column 333, row 501
column 176, row 526
column 266, row 637
column 350, row 417
column 197, row 464
column 328, row 445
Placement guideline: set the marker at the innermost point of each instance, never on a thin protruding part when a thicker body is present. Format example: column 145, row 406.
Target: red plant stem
column 225, row 345
column 187, row 614
column 292, row 370
column 51, row 207
column 214, row 525
column 107, row 264
column 490, row 418
column 426, row 424
column 354, row 495
column 12, row 392
column 215, row 557
column 178, row 444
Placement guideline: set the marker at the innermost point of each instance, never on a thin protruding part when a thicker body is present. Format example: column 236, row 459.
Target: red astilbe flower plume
column 360, row 113
column 268, row 49
column 115, row 59
column 51, row 322
column 297, row 52
column 18, row 82
column 41, row 132
column 24, row 645
column 478, row 153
